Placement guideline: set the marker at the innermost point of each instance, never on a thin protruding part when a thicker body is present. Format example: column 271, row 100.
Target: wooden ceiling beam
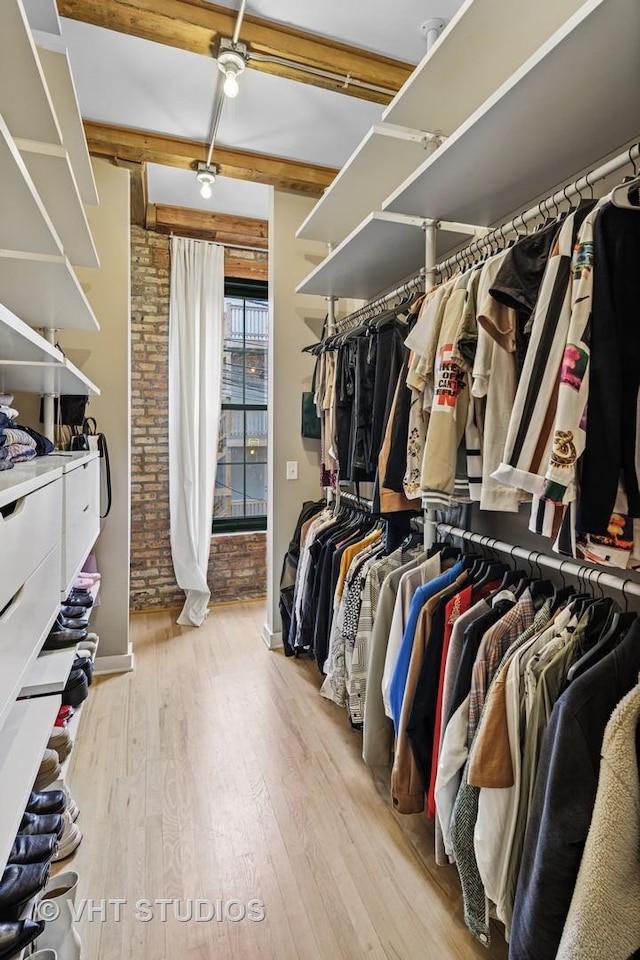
column 125, row 143
column 196, row 26
column 203, row 225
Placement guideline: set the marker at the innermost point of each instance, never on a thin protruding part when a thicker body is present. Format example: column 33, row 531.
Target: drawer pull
column 6, row 612
column 84, row 509
column 10, row 509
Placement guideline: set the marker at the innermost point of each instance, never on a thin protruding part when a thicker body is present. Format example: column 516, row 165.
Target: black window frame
column 247, row 290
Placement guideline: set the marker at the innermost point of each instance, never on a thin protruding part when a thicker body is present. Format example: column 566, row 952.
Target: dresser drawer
column 81, row 517
column 29, row 529
column 26, row 620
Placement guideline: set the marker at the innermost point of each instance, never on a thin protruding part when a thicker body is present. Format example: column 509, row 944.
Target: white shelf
column 480, row 48
column 44, row 291
column 386, row 156
column 23, row 740
column 24, row 478
column 49, row 672
column 552, row 118
column 29, row 363
column 25, row 102
column 24, row 222
column 57, row 71
column 43, row 16
column 51, row 172
column 381, row 252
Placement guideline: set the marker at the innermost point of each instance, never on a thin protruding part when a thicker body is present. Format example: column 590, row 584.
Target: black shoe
column 79, row 598
column 47, row 801
column 85, row 664
column 14, row 937
column 33, row 823
column 72, row 613
column 59, row 639
column 76, row 690
column 72, row 623
column 33, row 848
column 19, row 883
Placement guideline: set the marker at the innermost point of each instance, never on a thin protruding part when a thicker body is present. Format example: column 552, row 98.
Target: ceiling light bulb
column 231, row 87
column 206, row 177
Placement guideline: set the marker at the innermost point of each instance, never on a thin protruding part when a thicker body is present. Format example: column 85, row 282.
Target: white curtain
column 196, row 331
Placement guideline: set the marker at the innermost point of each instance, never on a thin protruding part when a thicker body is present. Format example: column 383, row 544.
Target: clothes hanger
column 621, row 196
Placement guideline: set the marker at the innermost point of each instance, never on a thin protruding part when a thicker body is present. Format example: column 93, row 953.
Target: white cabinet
column 81, row 515
column 29, row 529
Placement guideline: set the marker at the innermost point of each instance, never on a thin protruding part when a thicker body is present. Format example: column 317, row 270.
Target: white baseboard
column 272, row 641
column 122, row 663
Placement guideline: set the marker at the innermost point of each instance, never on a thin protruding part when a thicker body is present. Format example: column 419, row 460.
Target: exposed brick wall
column 237, row 568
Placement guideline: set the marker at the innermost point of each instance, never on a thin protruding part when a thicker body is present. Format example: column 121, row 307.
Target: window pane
column 241, row 477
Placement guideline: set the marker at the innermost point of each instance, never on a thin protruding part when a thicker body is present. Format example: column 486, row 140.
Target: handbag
column 311, row 425
column 88, row 438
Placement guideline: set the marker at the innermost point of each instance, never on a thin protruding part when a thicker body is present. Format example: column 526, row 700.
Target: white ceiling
column 392, row 29
column 179, row 188
column 130, row 82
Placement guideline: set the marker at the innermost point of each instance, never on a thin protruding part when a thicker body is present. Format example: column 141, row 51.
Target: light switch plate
column 292, row 469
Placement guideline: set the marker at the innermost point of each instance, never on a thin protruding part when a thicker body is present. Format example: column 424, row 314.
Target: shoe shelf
column 49, row 672
column 551, row 102
column 23, row 740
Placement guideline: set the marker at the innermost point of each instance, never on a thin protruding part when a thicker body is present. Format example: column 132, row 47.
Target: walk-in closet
column 319, row 480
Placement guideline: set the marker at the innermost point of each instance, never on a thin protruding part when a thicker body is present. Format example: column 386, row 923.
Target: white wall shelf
column 30, row 114
column 51, row 173
column 57, row 70
column 382, row 251
column 49, row 672
column 386, row 156
column 560, row 117
column 463, row 68
column 43, row 16
column 24, row 222
column 23, row 740
column 44, row 291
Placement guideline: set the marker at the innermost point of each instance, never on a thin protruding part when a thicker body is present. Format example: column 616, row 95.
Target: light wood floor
column 216, row 771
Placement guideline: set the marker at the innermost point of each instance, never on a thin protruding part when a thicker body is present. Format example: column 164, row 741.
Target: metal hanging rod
column 353, row 499
column 375, row 306
column 553, row 202
column 570, row 567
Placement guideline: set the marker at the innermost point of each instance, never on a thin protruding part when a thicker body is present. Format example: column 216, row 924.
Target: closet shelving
column 562, row 115
column 50, row 505
column 451, row 82
column 383, row 249
column 23, row 739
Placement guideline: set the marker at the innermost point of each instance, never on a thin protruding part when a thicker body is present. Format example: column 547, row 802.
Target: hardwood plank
column 216, row 771
column 197, row 26
column 245, row 268
column 126, row 143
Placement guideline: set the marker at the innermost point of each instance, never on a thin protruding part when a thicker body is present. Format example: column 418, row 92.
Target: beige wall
column 105, row 358
column 295, row 322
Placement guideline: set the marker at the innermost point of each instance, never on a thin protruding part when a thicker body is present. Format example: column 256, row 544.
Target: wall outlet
column 292, row 469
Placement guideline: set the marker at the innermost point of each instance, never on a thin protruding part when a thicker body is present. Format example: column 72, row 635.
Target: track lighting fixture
column 232, row 59
column 206, row 177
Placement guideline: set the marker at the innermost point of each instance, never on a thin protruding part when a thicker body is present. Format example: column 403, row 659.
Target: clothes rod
column 570, row 567
column 553, row 202
column 415, row 283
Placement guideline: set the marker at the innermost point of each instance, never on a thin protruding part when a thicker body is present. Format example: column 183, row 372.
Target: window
column 241, row 477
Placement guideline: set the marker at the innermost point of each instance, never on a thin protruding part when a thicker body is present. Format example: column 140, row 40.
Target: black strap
column 104, row 453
